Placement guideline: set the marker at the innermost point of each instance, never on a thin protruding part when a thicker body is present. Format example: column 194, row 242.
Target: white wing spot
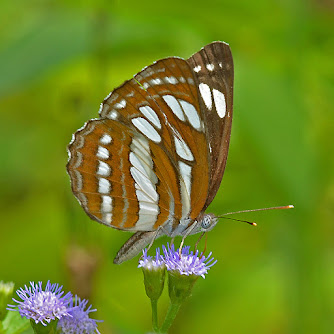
column 105, row 139
column 112, row 98
column 205, row 91
column 147, row 72
column 147, row 129
column 104, row 186
column 156, row 81
column 185, row 187
column 220, row 103
column 102, row 153
column 107, row 218
column 182, row 79
column 150, row 114
column 220, row 65
column 175, row 106
column 120, row 104
column 113, row 114
column 182, row 149
column 191, row 114
column 171, row 80
column 197, row 68
column 106, row 205
column 145, row 85
column 130, row 94
column 191, row 81
column 210, row 67
column 103, row 169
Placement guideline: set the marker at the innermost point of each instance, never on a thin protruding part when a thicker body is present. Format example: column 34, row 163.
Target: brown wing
column 214, row 75
column 144, row 162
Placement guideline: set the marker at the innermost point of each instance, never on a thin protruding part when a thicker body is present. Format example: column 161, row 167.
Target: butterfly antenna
column 253, row 210
column 240, row 220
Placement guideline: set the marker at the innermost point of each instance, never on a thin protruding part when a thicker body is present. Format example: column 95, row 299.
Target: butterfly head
column 208, row 222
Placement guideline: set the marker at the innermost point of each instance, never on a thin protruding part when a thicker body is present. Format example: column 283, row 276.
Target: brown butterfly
column 154, row 159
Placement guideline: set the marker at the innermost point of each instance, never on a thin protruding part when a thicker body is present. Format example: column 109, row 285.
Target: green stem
column 2, row 331
column 170, row 316
column 154, row 305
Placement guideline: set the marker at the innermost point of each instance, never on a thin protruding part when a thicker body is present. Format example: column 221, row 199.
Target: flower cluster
column 185, row 262
column 184, row 267
column 42, row 306
column 50, row 305
column 149, row 262
column 79, row 321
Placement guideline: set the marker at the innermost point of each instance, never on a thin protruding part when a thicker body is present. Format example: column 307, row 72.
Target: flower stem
column 154, row 305
column 170, row 316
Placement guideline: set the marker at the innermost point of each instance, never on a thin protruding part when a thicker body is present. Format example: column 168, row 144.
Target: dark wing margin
column 214, row 75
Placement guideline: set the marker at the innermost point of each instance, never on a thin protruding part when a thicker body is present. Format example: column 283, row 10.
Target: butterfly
column 154, row 159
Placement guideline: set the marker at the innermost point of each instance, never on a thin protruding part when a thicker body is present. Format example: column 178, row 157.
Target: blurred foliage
column 59, row 59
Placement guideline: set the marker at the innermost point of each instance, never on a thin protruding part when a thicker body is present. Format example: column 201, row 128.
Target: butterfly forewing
column 166, row 96
column 214, row 75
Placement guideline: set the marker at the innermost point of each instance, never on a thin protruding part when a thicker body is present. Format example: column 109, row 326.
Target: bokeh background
column 59, row 59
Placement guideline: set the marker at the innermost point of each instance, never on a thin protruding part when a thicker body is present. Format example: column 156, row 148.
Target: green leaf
column 14, row 324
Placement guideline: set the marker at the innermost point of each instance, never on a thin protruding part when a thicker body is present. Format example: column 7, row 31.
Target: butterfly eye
column 206, row 222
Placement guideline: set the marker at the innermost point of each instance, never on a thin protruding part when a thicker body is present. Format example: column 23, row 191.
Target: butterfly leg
column 157, row 232
column 206, row 242
column 199, row 239
column 188, row 231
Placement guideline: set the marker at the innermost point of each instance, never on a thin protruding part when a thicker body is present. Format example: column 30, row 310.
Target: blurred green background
column 59, row 59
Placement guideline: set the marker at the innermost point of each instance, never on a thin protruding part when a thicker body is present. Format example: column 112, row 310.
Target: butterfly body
column 154, row 159
column 140, row 240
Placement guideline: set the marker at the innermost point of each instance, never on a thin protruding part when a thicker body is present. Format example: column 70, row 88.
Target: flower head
column 154, row 274
column 79, row 321
column 188, row 263
column 42, row 306
column 149, row 262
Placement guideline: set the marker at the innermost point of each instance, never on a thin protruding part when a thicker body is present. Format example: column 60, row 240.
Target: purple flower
column 79, row 321
column 189, row 263
column 149, row 262
column 42, row 306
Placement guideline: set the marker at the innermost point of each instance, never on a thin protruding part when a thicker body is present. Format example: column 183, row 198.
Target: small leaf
column 14, row 324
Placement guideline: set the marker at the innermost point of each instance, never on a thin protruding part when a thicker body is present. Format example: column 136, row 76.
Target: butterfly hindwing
column 157, row 156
